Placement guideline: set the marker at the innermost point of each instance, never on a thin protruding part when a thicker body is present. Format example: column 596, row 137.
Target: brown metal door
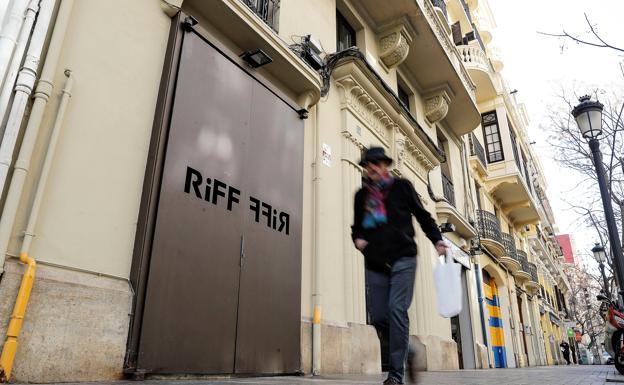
column 189, row 323
column 270, row 293
column 223, row 288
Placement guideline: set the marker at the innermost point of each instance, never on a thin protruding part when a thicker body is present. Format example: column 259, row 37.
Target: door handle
column 242, row 251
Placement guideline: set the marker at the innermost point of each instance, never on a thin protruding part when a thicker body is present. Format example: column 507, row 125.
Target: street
column 547, row 375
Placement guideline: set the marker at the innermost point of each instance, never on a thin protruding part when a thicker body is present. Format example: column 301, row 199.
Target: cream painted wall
column 89, row 214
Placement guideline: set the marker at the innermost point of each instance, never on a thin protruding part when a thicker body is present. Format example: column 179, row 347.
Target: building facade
column 185, row 181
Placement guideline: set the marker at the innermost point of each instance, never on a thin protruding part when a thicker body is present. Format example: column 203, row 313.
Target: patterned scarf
column 375, row 213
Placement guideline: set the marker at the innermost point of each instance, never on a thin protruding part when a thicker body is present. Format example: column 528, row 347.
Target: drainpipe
column 479, row 278
column 21, row 303
column 11, row 75
column 23, row 88
column 10, row 32
column 514, row 342
column 316, row 257
column 42, row 94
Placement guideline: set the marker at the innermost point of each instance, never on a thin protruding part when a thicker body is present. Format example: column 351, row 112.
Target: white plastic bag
column 447, row 278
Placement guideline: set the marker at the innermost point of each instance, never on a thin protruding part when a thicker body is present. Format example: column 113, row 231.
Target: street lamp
column 600, row 256
column 588, row 116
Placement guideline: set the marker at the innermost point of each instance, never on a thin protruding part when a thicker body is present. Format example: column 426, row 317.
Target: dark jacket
column 395, row 239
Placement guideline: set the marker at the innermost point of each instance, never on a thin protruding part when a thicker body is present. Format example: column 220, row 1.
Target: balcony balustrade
column 490, row 233
column 449, row 191
column 267, row 10
column 480, row 70
column 533, row 282
column 524, row 273
column 510, row 260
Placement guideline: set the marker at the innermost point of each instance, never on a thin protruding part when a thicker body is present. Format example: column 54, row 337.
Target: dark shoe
column 392, row 381
column 412, row 373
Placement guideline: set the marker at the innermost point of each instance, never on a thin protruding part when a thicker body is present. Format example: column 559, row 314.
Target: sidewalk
column 550, row 375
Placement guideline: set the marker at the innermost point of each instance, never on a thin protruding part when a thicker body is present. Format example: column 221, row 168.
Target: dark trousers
column 388, row 296
column 566, row 356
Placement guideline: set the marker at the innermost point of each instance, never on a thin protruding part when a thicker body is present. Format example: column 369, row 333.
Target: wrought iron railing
column 449, row 191
column 267, row 10
column 524, row 261
column 476, row 149
column 533, row 271
column 440, row 4
column 510, row 246
column 489, row 226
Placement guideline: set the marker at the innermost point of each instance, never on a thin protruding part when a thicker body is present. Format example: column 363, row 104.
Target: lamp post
column 588, row 116
column 601, row 257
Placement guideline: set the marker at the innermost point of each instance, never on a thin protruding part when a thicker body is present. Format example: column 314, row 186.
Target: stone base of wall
column 435, row 353
column 345, row 350
column 482, row 357
column 75, row 328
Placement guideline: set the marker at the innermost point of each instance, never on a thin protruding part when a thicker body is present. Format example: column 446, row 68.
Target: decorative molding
column 410, row 156
column 450, row 48
column 379, row 115
column 361, row 104
column 353, row 139
column 436, row 106
column 394, row 46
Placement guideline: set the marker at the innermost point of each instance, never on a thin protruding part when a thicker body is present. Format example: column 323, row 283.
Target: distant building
column 565, row 240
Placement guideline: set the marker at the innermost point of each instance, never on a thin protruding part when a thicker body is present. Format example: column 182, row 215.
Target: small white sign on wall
column 326, row 154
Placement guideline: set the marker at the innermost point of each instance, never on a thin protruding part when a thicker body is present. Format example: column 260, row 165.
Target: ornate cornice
column 361, row 104
column 380, row 113
column 410, row 156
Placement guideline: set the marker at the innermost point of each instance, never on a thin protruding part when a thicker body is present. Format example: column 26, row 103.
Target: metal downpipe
column 14, row 66
column 23, row 89
column 23, row 296
column 10, row 33
column 316, row 279
column 41, row 96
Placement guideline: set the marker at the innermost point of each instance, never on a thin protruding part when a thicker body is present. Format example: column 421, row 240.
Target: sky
column 539, row 68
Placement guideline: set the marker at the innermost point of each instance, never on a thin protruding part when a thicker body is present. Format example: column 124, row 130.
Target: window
column 404, row 97
column 526, row 172
column 345, row 34
column 514, row 145
column 491, row 133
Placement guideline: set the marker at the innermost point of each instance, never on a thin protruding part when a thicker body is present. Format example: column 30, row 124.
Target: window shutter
column 457, row 34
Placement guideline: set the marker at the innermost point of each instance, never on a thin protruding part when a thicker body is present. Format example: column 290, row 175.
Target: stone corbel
column 394, row 46
column 436, row 106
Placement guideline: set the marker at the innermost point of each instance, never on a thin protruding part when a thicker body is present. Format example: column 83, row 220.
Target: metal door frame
column 181, row 23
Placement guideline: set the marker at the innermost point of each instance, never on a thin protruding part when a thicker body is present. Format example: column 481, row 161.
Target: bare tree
column 594, row 40
column 583, row 304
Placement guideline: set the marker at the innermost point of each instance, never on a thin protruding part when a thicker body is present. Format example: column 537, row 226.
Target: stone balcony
column 485, row 29
column 508, row 185
column 496, row 58
column 483, row 75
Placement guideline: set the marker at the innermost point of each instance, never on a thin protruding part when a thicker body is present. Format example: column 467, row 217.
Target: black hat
column 375, row 154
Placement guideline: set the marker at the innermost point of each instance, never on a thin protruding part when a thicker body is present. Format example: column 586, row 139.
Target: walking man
column 565, row 349
column 382, row 230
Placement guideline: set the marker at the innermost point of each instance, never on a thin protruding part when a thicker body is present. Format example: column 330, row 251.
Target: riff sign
column 218, row 193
